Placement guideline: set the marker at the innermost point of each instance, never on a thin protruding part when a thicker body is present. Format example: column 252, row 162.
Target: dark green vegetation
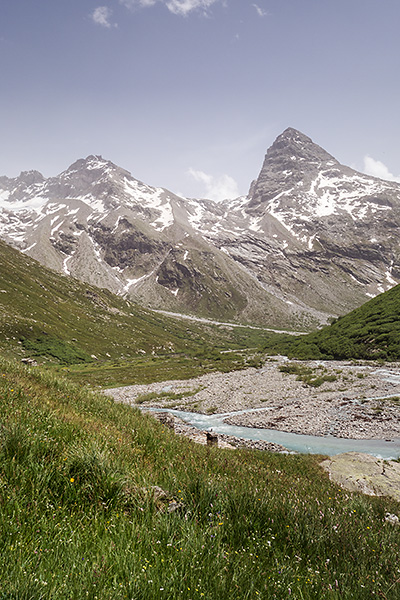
column 81, row 517
column 309, row 376
column 167, row 365
column 102, row 338
column 372, row 331
column 52, row 347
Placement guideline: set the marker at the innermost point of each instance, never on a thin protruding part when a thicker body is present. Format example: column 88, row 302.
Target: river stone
column 364, row 473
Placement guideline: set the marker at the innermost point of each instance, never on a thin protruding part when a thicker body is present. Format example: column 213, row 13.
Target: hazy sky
column 189, row 94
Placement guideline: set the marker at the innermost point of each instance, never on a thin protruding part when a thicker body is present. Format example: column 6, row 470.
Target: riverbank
column 180, row 427
column 357, row 401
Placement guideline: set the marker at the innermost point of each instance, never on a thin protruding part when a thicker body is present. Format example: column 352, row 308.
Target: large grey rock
column 365, row 473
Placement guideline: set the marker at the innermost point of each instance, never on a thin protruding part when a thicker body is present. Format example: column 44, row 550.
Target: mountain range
column 312, row 239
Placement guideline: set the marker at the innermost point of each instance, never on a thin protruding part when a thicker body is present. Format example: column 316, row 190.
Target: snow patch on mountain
column 35, row 203
column 96, row 249
column 65, row 267
column 57, row 227
column 254, row 224
column 133, row 282
column 392, row 282
column 4, row 195
column 196, row 214
column 29, row 248
column 332, row 193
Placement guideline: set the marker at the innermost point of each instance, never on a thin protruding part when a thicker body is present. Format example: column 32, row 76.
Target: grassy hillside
column 98, row 501
column 372, row 331
column 103, row 338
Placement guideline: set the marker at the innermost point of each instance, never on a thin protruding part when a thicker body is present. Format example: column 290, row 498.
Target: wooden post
column 212, row 439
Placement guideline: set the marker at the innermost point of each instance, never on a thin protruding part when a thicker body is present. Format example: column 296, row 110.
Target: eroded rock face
column 365, row 473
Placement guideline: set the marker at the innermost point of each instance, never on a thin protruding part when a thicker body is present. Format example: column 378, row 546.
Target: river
column 294, row 442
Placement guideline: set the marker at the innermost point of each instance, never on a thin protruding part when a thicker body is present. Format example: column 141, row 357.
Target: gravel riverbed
column 359, row 402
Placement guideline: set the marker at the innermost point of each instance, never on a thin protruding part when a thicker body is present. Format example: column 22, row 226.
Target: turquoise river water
column 294, row 442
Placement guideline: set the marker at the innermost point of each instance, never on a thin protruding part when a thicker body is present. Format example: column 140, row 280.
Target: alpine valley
column 311, row 240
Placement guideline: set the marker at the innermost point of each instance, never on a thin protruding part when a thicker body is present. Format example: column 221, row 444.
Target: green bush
column 307, row 375
column 49, row 346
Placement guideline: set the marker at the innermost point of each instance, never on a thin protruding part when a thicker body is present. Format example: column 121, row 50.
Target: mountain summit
column 292, row 157
column 313, row 237
column 296, row 147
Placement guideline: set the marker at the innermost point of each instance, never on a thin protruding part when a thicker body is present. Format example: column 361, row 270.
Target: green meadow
column 99, row 501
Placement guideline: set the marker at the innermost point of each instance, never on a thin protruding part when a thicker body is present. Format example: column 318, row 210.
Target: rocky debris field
column 344, row 399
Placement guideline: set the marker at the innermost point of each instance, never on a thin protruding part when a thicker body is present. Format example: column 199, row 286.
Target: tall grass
column 82, row 514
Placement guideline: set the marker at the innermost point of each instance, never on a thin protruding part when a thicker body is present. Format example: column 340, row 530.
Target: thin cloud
column 184, row 7
column 101, row 16
column 216, row 188
column 260, row 11
column 376, row 168
column 131, row 4
column 177, row 7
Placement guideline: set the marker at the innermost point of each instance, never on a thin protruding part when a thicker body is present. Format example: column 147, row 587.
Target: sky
column 189, row 94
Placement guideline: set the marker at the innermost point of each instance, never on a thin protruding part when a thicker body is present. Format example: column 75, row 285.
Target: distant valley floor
column 347, row 400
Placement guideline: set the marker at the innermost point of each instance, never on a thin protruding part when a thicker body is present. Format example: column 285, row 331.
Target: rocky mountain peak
column 95, row 165
column 31, row 177
column 292, row 158
column 91, row 162
column 313, row 237
column 292, row 135
column 293, row 146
